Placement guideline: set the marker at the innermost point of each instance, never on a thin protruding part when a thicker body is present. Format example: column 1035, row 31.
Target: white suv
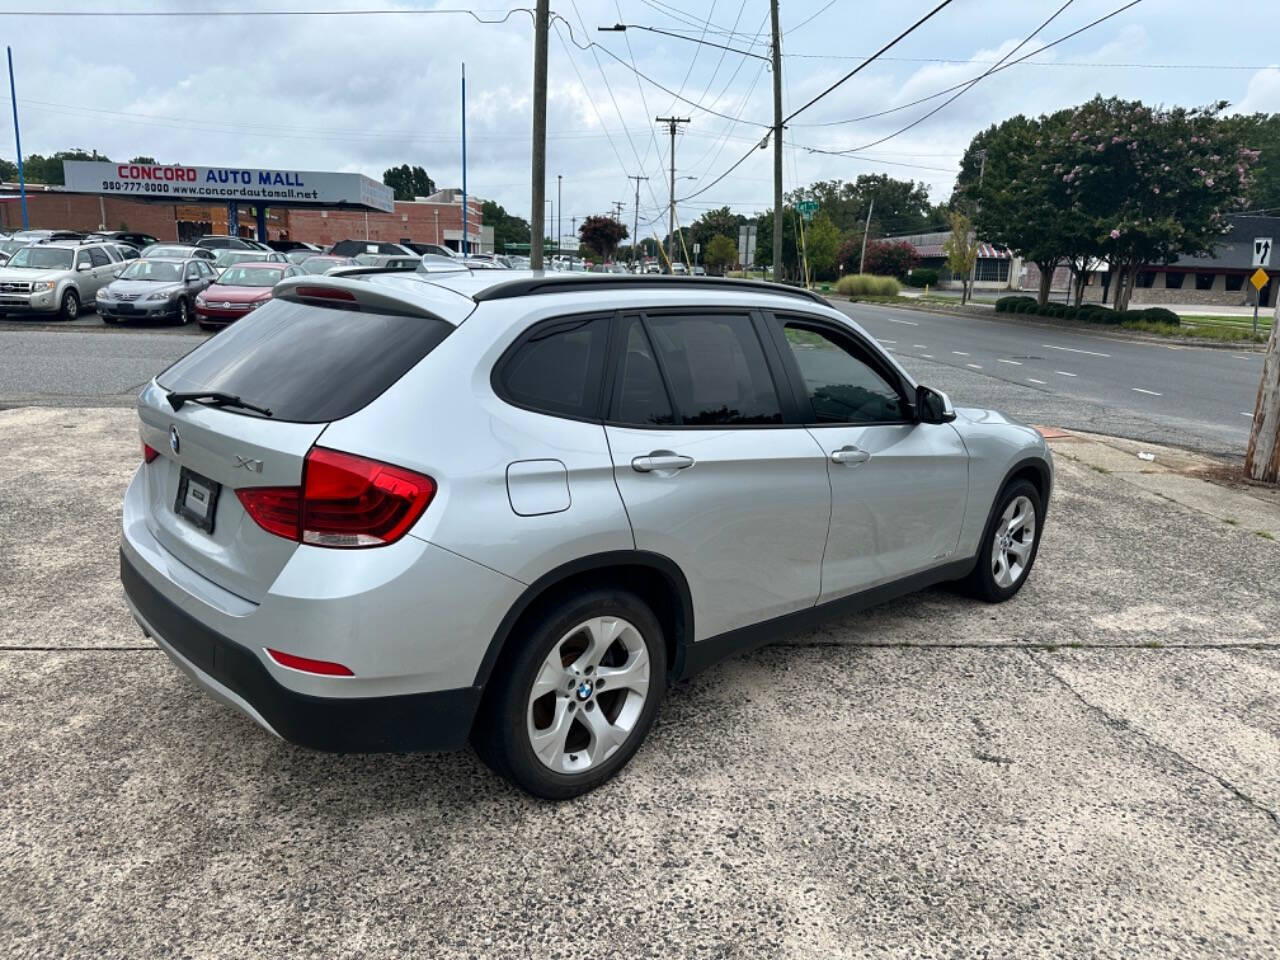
column 401, row 511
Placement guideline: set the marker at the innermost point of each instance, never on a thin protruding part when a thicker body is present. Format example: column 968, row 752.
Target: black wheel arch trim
column 596, row 561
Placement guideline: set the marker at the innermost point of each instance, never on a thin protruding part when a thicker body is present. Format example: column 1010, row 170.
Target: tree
column 721, row 253
column 720, row 221
column 41, row 169
column 602, row 234
column 1260, row 132
column 961, row 249
column 790, row 243
column 821, row 241
column 901, row 206
column 891, row 258
column 507, row 229
column 8, row 170
column 849, row 254
column 149, row 161
column 408, row 182
column 1262, row 462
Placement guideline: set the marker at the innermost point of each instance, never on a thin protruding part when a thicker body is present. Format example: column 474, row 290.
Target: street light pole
column 560, row 207
column 541, row 20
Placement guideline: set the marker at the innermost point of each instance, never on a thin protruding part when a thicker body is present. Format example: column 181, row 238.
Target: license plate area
column 197, row 499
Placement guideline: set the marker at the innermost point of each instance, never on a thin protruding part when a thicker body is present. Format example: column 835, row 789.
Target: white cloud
column 1263, row 93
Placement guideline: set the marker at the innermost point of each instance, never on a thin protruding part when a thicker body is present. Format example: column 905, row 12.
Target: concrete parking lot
column 1089, row 770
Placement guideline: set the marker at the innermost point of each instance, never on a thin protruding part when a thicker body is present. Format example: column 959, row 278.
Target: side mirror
column 933, row 406
column 84, row 265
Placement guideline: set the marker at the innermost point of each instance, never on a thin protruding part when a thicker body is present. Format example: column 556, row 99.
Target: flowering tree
column 961, row 249
column 601, row 234
column 891, row 258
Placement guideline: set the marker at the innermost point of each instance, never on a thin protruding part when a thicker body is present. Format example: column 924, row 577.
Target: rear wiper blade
column 176, row 400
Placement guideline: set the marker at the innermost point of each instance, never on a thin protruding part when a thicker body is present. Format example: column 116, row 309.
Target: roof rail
column 529, row 286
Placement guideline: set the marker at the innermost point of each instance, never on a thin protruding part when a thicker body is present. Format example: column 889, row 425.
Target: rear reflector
column 326, row 668
column 149, row 453
column 344, row 501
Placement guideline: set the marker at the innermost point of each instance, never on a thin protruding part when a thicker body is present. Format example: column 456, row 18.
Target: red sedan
column 240, row 289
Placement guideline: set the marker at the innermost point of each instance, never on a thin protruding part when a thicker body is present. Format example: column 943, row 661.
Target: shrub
column 1156, row 315
column 1004, row 304
column 891, row 258
column 923, row 277
column 868, row 285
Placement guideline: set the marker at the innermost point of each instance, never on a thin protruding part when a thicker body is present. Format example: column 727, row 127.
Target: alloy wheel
column 588, row 695
column 1015, row 536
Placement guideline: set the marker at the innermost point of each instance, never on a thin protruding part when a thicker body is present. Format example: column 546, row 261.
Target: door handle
column 659, row 460
column 850, row 455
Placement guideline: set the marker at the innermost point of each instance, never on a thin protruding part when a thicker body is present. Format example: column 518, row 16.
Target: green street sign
column 807, row 208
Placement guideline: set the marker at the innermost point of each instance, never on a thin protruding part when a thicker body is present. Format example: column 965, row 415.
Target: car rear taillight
column 344, row 501
column 149, row 452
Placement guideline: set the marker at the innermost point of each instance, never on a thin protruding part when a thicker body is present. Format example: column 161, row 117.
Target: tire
column 998, row 573
column 184, row 312
column 70, row 307
column 568, row 650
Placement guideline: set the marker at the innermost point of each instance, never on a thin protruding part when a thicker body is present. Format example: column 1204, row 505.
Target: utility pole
column 672, row 124
column 573, row 232
column 560, row 208
column 1262, row 462
column 464, row 167
column 17, row 140
column 973, row 271
column 635, row 236
column 862, row 260
column 777, row 140
column 541, row 18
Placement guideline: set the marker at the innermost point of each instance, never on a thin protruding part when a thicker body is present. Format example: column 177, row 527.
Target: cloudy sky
column 364, row 91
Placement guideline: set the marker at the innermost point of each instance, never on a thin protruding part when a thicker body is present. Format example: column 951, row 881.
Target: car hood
column 140, row 287
column 21, row 273
column 978, row 415
column 232, row 294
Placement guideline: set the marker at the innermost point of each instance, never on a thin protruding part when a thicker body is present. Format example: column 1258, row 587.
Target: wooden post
column 1263, row 459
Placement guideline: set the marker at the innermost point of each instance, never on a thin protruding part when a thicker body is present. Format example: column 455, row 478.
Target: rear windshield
column 250, row 277
column 304, row 363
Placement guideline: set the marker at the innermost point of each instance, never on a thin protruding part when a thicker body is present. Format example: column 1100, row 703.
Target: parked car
column 228, row 257
column 8, row 246
column 407, row 532
column 213, row 241
column 177, row 251
column 285, row 246
column 698, row 270
column 35, row 236
column 127, row 251
column 240, row 289
column 302, row 253
column 326, row 262
column 134, row 239
column 154, row 288
column 432, row 248
column 56, row 277
column 349, row 248
column 387, row 261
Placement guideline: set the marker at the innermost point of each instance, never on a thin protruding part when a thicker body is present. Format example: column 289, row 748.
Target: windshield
column 227, row 257
column 155, row 271
column 46, row 258
column 156, row 250
column 8, row 246
column 321, row 264
column 250, row 277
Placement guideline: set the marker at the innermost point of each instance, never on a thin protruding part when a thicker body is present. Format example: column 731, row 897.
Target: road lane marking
column 909, row 323
column 1150, row 393
column 878, row 340
column 1034, row 380
column 1064, row 373
column 1249, row 415
column 959, row 353
column 921, row 346
column 1239, row 357
column 1016, row 363
column 927, row 356
column 1092, row 353
column 974, row 365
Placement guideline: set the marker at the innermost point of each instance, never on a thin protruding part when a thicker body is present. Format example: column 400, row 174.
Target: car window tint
column 841, row 387
column 556, row 368
column 98, row 257
column 640, row 397
column 716, row 368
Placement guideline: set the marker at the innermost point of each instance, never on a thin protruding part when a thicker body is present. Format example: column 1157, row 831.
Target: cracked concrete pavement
column 1089, row 770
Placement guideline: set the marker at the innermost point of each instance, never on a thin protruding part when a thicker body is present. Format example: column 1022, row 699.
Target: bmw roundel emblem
column 174, row 442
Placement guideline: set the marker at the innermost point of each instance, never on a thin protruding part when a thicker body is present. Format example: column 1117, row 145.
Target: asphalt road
column 1198, row 397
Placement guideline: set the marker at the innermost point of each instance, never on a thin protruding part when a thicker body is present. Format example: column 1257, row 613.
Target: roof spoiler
column 344, row 294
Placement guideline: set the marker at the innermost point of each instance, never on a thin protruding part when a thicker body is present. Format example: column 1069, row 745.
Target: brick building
column 434, row 219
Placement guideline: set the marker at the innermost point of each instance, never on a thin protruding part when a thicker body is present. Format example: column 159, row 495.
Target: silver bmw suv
column 404, row 511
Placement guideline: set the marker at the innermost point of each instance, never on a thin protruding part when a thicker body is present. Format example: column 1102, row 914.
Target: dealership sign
column 226, row 184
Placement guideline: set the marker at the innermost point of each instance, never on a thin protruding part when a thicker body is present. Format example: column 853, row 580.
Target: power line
column 959, row 93
column 1044, row 63
column 186, row 14
column 964, row 83
column 813, row 16
column 743, row 159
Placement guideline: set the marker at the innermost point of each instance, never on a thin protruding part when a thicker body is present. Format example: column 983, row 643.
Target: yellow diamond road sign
column 1259, row 278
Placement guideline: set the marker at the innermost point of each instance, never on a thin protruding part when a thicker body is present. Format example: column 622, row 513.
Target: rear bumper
column 439, row 720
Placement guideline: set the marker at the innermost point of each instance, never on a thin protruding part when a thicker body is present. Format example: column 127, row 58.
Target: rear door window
column 640, row 397
column 305, row 363
column 716, row 368
column 556, row 368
